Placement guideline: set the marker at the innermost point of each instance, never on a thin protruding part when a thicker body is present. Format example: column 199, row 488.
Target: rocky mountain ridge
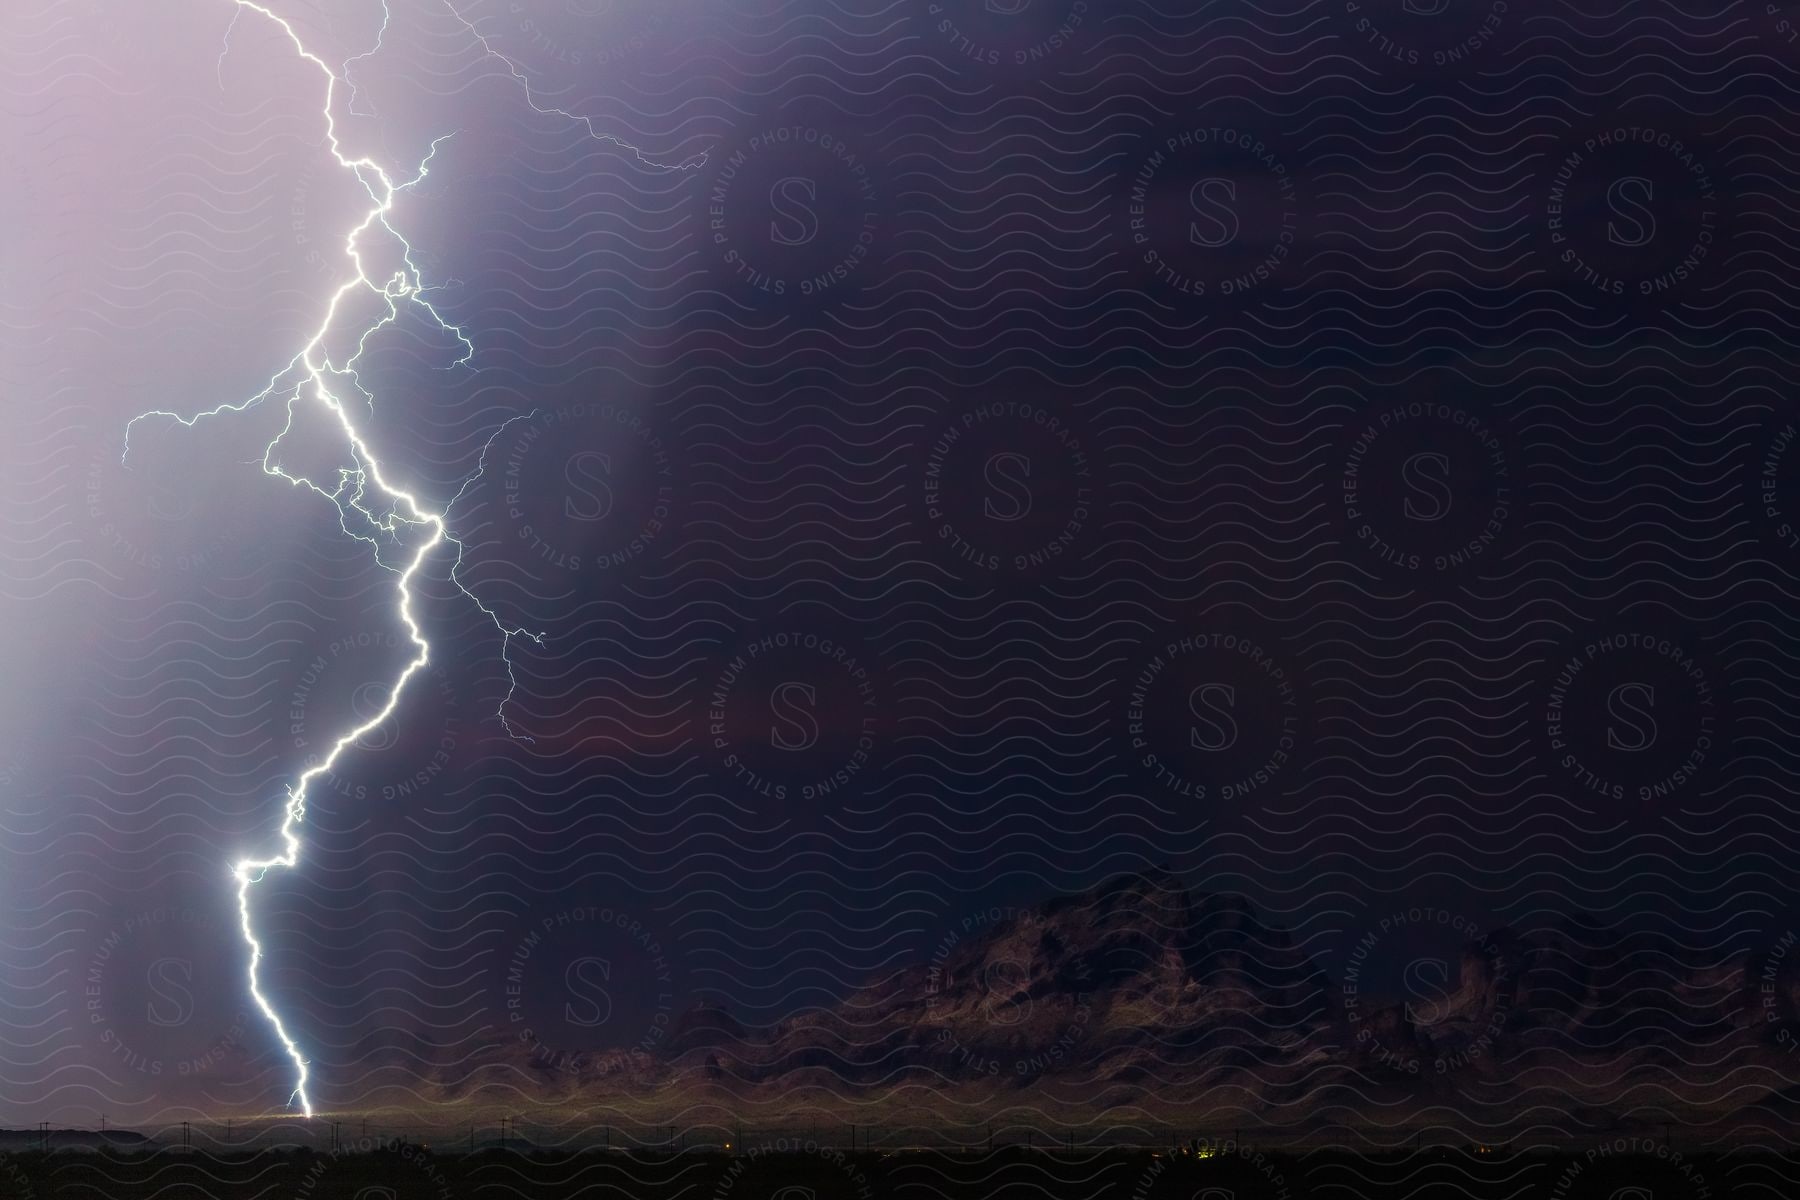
column 1139, row 996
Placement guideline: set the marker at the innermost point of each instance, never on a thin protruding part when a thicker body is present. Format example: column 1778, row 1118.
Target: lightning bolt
column 311, row 375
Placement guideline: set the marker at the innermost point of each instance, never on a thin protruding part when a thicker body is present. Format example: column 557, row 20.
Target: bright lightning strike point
column 311, row 374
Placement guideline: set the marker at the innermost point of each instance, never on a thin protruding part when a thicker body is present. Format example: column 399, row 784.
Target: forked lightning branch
column 369, row 507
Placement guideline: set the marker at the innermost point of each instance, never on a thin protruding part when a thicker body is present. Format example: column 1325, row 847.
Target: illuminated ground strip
column 313, row 374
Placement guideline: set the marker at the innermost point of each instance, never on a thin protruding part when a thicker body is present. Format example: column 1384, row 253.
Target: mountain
column 1140, row 1002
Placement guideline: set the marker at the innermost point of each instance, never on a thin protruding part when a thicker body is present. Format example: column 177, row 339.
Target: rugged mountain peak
column 1141, row 993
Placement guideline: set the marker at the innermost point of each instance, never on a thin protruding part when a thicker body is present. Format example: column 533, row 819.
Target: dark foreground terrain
column 798, row 1170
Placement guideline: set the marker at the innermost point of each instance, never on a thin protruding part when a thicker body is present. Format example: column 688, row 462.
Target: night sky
column 1345, row 455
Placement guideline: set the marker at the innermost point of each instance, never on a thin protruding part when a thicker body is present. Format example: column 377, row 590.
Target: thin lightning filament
column 361, row 492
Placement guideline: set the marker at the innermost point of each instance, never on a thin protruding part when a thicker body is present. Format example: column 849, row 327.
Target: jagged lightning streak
column 315, row 373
